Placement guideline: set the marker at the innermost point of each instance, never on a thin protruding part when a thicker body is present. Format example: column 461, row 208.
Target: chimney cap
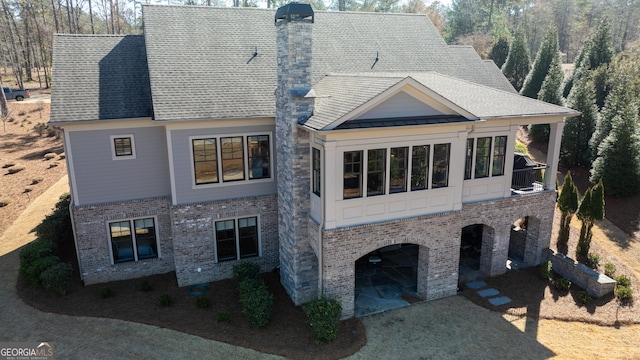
column 294, row 11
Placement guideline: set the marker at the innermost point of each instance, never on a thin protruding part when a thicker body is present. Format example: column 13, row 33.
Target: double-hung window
column 419, row 167
column 352, row 179
column 315, row 171
column 398, row 174
column 133, row 240
column 231, row 159
column 237, row 239
column 489, row 159
column 376, row 166
column 441, row 155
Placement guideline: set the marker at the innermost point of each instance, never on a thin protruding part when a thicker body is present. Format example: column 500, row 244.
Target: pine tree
column 542, row 64
column 591, row 209
column 568, row 205
column 499, row 52
column 618, row 162
column 518, row 62
column 597, row 51
column 578, row 130
column 615, row 103
column 551, row 86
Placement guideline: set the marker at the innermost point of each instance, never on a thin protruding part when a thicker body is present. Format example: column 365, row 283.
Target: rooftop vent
column 294, row 12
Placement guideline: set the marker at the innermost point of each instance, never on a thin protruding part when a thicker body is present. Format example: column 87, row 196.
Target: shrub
column 593, row 261
column 165, row 300
column 57, row 278
column 245, row 270
column 32, row 273
column 33, row 251
column 106, row 292
column 36, row 180
column 56, row 227
column 15, row 169
column 8, row 164
column 584, row 297
column 49, row 156
column 223, row 316
column 546, row 270
column 4, row 202
column 624, row 293
column 28, row 189
column 610, row 270
column 324, row 318
column 562, row 284
column 203, row 302
column 623, row 281
column 257, row 302
column 145, row 285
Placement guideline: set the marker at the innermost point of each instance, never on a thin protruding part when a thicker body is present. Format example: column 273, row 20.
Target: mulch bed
column 535, row 297
column 288, row 334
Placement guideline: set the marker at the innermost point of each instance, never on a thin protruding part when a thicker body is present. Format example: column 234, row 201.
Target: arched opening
column 386, row 279
column 474, row 240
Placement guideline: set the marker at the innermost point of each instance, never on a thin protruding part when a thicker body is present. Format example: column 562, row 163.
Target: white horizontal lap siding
column 99, row 178
column 185, row 189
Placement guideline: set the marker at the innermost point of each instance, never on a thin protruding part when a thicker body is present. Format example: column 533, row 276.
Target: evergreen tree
column 518, row 62
column 551, row 87
column 615, row 103
column 578, row 130
column 596, row 51
column 591, row 209
column 499, row 52
column 618, row 162
column 548, row 51
column 568, row 205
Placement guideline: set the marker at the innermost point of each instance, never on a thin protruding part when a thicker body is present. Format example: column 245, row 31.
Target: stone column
column 298, row 262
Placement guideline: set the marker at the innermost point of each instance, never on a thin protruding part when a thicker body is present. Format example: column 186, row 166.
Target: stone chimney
column 298, row 262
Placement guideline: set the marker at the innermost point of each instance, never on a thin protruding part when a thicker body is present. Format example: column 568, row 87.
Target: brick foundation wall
column 93, row 243
column 439, row 239
column 194, row 244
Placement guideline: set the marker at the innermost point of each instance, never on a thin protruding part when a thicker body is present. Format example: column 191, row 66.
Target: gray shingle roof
column 339, row 94
column 207, row 49
column 99, row 78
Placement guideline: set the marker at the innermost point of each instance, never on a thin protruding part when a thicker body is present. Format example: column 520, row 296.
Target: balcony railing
column 529, row 179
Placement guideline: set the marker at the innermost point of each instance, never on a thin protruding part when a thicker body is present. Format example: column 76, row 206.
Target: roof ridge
column 96, row 35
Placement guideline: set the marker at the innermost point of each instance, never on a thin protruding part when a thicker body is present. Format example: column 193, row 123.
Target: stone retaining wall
column 593, row 282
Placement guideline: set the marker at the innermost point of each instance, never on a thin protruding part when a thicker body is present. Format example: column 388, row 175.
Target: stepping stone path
column 489, row 293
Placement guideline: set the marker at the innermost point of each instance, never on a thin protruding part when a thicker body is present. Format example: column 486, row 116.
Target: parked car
column 18, row 95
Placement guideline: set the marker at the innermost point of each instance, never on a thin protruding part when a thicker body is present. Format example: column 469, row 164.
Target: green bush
column 165, row 300
column 562, row 284
column 32, row 273
column 106, row 292
column 223, row 316
column 624, row 293
column 324, row 317
column 257, row 302
column 57, row 278
column 546, row 270
column 145, row 285
column 33, row 251
column 593, row 261
column 610, row 270
column 203, row 302
column 56, row 227
column 246, row 270
column 623, row 280
column 584, row 297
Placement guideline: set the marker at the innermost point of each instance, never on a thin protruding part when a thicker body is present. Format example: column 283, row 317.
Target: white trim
column 114, row 155
column 236, row 231
column 219, row 123
column 221, row 182
column 70, row 168
column 407, row 84
column 172, row 173
column 133, row 238
column 108, row 124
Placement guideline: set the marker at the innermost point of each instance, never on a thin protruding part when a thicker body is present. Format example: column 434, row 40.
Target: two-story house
column 299, row 140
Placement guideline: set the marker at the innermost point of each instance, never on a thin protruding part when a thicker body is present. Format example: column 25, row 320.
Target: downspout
column 320, row 242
